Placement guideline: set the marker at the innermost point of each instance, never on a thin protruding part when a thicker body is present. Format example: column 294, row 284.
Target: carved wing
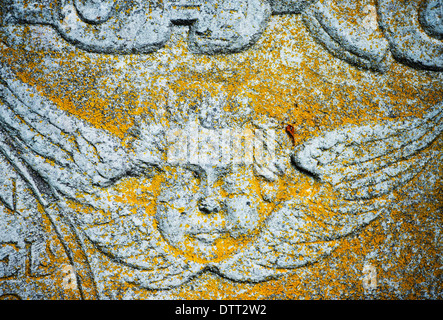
column 67, row 154
column 362, row 164
column 300, row 231
column 135, row 244
column 60, row 157
column 368, row 161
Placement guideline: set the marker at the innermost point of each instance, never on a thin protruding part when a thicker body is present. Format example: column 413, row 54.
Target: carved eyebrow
column 223, row 170
column 194, row 167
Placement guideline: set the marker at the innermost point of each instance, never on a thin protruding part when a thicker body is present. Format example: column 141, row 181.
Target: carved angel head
column 221, row 176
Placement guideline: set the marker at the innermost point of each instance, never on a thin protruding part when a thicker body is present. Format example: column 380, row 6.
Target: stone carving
column 360, row 44
column 144, row 26
column 125, row 27
column 238, row 24
column 203, row 185
column 387, row 151
column 423, row 34
column 10, row 261
column 94, row 11
column 364, row 44
column 430, row 17
column 74, row 164
column 27, row 250
column 289, row 6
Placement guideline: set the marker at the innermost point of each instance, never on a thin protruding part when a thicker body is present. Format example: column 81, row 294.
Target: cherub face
column 210, row 212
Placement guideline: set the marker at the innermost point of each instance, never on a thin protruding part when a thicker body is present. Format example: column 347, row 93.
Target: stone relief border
column 411, row 31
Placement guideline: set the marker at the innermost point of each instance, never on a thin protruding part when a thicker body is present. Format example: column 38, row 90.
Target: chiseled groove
column 66, row 231
column 12, row 204
column 62, row 146
column 29, row 147
column 16, row 163
column 33, row 162
column 27, row 150
column 373, row 174
column 389, row 159
column 25, row 147
column 417, row 146
column 346, row 47
column 96, row 153
column 332, row 46
column 16, row 96
column 334, row 228
column 27, row 122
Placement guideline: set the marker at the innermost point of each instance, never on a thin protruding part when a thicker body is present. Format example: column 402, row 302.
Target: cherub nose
column 209, row 205
column 210, row 198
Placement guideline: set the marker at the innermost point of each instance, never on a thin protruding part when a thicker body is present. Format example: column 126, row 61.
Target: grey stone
column 386, row 157
column 422, row 50
column 431, row 18
column 211, row 189
column 229, row 26
column 94, row 11
column 289, row 6
column 125, row 27
column 359, row 45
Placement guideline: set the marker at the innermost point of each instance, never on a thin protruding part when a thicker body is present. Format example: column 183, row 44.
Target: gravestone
column 251, row 149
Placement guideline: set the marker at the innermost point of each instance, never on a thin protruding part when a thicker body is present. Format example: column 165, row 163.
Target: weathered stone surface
column 417, row 44
column 352, row 34
column 220, row 149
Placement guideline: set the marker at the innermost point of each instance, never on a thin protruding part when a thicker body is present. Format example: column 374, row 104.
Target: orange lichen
column 328, row 95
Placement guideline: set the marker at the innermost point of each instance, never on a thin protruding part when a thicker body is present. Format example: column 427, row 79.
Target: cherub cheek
column 242, row 215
